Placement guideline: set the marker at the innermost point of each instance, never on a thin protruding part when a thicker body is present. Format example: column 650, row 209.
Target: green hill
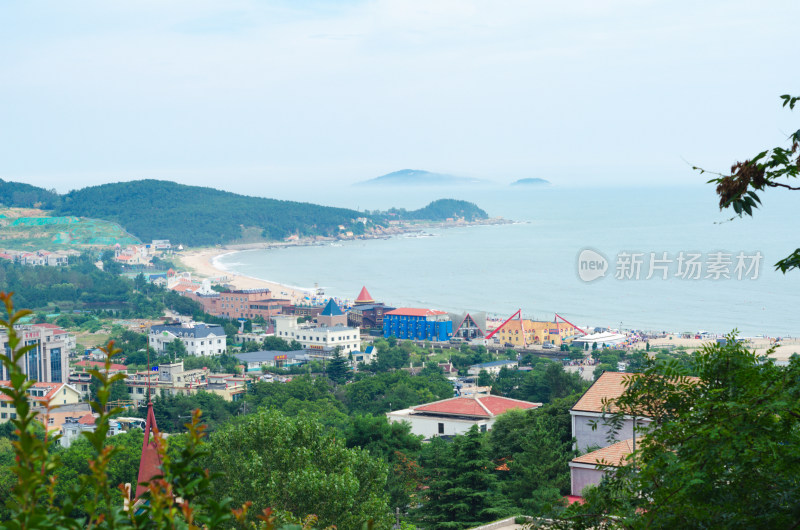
column 192, row 215
column 440, row 210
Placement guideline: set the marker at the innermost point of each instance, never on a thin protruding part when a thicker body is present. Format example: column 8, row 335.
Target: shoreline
column 203, row 261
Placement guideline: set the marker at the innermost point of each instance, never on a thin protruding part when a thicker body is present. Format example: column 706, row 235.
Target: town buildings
column 367, row 313
column 173, row 379
column 321, row 338
column 81, row 379
column 417, row 324
column 457, row 415
column 199, row 339
column 47, row 361
column 243, row 303
column 253, row 361
column 41, row 394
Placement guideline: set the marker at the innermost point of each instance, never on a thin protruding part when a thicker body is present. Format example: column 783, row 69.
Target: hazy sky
column 244, row 95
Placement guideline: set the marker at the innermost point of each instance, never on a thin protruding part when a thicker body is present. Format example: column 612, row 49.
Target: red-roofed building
column 457, row 415
column 417, row 324
column 39, row 395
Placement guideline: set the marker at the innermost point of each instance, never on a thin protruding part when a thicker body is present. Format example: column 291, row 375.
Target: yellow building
column 528, row 333
column 40, row 395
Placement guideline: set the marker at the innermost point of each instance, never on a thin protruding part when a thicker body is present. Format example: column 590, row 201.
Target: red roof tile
column 87, row 419
column 415, row 312
column 484, row 406
column 364, row 296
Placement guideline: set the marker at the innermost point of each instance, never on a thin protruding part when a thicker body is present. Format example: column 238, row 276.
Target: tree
column 176, row 349
column 721, row 450
column 337, row 367
column 463, row 490
column 484, row 378
column 770, row 168
column 295, row 465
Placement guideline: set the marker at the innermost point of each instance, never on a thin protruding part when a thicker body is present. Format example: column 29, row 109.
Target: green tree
column 463, row 490
column 295, row 465
column 338, row 369
column 484, row 378
column 771, row 168
column 721, row 450
column 176, row 349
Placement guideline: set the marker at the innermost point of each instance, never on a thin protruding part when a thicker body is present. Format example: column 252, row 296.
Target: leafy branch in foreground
column 772, row 168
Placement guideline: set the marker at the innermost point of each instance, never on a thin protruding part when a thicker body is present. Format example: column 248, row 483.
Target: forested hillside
column 155, row 209
column 440, row 210
column 23, row 195
column 198, row 216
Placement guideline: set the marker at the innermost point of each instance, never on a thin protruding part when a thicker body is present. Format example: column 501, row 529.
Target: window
column 441, row 428
column 50, row 421
column 483, row 428
column 3, row 415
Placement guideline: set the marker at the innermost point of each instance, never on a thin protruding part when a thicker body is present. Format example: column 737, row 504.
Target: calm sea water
column 533, row 264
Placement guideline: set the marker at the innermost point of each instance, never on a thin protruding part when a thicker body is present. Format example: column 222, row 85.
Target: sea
column 673, row 261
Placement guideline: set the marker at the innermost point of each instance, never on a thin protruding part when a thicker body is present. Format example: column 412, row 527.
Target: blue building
column 417, row 324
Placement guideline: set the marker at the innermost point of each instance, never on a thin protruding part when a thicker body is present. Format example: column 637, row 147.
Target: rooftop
column 608, row 386
column 613, row 455
column 415, row 312
column 331, row 309
column 364, row 297
column 481, row 406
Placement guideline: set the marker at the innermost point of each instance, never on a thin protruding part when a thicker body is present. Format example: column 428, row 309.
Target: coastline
column 203, row 261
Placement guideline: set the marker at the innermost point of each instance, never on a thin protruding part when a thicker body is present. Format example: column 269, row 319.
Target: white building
column 321, row 338
column 199, row 339
column 493, row 367
column 457, row 415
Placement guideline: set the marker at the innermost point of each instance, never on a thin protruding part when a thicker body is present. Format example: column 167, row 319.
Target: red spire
column 364, row 297
column 150, row 463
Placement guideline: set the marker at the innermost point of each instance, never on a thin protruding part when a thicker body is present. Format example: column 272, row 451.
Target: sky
column 254, row 96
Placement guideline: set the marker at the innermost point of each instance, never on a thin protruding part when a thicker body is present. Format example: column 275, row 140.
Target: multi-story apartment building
column 322, row 338
column 47, row 360
column 245, row 303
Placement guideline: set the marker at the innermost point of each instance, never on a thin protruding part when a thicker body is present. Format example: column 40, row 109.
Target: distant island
column 419, row 177
column 531, row 182
column 193, row 215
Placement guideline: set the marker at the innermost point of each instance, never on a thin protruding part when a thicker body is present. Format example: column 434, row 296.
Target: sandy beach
column 201, row 263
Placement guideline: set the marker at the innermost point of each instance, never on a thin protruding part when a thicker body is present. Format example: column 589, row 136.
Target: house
column 253, row 361
column 493, row 367
column 367, row 356
column 589, row 469
column 199, row 339
column 589, row 410
column 457, row 415
column 75, row 425
column 41, row 394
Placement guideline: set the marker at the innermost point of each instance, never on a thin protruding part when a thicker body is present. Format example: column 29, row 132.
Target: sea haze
column 532, row 264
